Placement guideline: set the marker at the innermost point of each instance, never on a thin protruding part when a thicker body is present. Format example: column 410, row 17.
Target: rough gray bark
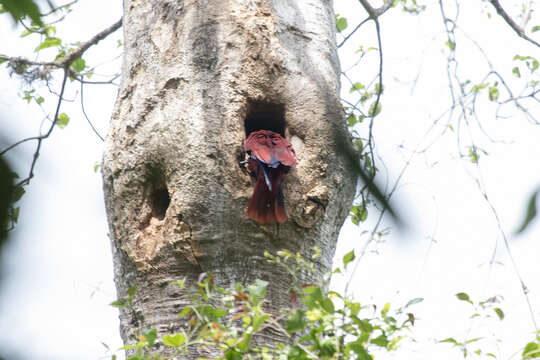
column 193, row 72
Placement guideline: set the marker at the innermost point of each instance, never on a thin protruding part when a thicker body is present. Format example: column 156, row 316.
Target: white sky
column 58, row 267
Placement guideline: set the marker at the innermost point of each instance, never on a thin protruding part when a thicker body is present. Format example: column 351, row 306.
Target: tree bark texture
column 197, row 76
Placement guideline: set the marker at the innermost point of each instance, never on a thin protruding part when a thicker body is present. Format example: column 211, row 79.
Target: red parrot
column 270, row 158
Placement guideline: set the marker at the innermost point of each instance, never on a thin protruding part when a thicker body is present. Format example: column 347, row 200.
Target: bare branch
column 86, row 116
column 511, row 22
column 373, row 12
column 93, row 41
column 352, row 32
column 52, row 11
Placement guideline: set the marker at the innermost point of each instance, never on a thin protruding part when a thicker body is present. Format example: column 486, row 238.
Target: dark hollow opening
column 160, row 201
column 265, row 116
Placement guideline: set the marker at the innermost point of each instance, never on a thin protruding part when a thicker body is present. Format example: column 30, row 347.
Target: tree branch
column 71, row 57
column 352, row 32
column 374, row 13
column 64, row 64
column 511, row 22
column 93, row 41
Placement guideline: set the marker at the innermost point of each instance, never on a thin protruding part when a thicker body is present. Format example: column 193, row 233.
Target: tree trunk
column 198, row 76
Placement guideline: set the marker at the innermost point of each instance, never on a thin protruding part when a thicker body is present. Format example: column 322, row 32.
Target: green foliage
column 48, row 42
column 531, row 212
column 324, row 325
column 494, row 92
column 531, row 350
column 62, row 120
column 341, row 23
column 328, row 325
column 410, row 6
column 358, row 213
column 18, row 9
column 530, row 62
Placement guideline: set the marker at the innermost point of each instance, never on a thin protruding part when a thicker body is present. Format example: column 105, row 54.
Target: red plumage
column 270, row 158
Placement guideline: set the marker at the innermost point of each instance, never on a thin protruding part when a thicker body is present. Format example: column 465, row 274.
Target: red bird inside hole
column 270, row 158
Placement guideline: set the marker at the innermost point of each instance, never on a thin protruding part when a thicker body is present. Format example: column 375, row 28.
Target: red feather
column 271, row 157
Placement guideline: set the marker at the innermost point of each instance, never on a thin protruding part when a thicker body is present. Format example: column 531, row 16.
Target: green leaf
column 295, row 321
column 184, row 311
column 356, row 87
column 463, row 297
column 48, row 42
column 472, row 340
column 18, row 192
column 531, row 350
column 328, row 305
column 449, row 340
column 380, row 340
column 341, row 23
column 477, row 88
column 348, row 258
column 355, row 308
column 26, row 32
column 258, row 289
column 493, row 93
column 296, row 353
column 120, row 303
column 414, row 301
column 62, row 120
column 313, row 296
column 516, row 72
column 180, row 283
column 40, row 100
column 21, row 8
column 473, row 155
column 174, row 340
column 359, row 212
column 531, row 212
column 375, row 111
column 219, row 312
column 351, row 120
column 359, row 350
column 78, row 65
column 258, row 321
column 385, row 309
column 131, row 292
column 232, row 354
column 499, row 313
column 451, row 45
column 535, row 28
column 150, row 335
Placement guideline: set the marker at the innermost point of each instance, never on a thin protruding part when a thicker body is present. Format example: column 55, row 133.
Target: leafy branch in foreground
column 70, row 63
column 231, row 323
column 228, row 323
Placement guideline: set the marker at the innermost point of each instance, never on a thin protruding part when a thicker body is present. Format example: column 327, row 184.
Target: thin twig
column 86, row 116
column 352, row 32
column 52, row 11
column 46, row 135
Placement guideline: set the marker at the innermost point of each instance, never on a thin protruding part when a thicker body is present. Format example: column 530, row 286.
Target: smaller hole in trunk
column 160, row 202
